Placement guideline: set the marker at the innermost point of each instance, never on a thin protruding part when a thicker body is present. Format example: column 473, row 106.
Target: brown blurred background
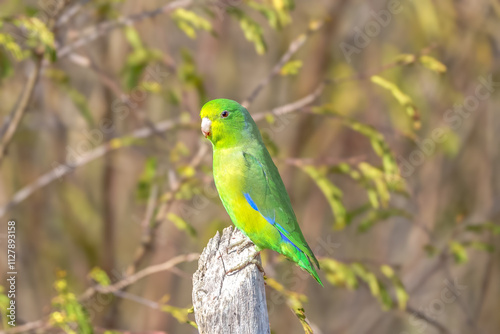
column 153, row 71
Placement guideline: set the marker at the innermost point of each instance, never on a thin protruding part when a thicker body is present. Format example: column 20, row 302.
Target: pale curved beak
column 206, row 126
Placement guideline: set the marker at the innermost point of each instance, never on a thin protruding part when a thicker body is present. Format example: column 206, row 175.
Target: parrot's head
column 227, row 123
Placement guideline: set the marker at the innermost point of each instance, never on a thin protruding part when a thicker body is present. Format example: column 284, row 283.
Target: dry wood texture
column 234, row 302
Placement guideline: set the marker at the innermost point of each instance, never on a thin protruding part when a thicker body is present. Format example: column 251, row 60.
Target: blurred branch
column 137, row 276
column 293, row 106
column 296, row 44
column 324, row 161
column 150, row 206
column 63, row 169
column 138, row 299
column 469, row 320
column 168, row 265
column 101, row 29
column 12, row 122
column 65, row 17
column 308, row 99
column 485, row 283
column 166, row 125
column 150, row 228
column 429, row 320
column 139, row 114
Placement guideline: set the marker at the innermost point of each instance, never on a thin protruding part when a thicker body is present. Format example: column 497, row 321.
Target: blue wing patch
column 270, row 220
column 250, row 201
column 288, row 240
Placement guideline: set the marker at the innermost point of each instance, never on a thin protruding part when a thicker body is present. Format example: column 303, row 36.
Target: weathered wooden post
column 234, row 303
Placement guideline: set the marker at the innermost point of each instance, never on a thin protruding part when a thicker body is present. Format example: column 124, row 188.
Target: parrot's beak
column 206, row 126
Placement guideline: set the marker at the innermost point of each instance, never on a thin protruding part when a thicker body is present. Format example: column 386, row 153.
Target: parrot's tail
column 302, row 256
column 306, row 263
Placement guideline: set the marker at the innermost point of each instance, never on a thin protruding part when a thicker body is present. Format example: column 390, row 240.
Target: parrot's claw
column 250, row 260
column 243, row 243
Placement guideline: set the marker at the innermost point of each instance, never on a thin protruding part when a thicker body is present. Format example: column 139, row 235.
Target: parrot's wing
column 265, row 192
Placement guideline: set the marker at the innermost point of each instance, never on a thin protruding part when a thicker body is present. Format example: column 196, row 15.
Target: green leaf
column 376, row 175
column 61, row 79
column 301, row 315
column 252, row 30
column 377, row 288
column 277, row 12
column 100, row 276
column 459, row 252
column 9, row 44
column 283, row 9
column 138, row 60
column 432, row 64
column 332, row 193
column 189, row 75
column 181, row 314
column 479, row 228
column 403, row 99
column 378, row 143
column 4, row 304
column 376, row 216
column 133, row 37
column 146, row 179
column 338, row 273
column 151, row 86
column 189, row 22
column 179, row 151
column 362, row 209
column 479, row 245
column 181, row 224
column 268, row 12
column 6, row 68
column 81, row 104
column 294, row 300
column 430, row 250
column 401, row 293
column 384, row 297
column 368, row 277
column 69, row 315
column 38, row 35
column 291, row 68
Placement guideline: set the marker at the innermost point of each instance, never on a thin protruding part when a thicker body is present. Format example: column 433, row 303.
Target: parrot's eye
column 224, row 114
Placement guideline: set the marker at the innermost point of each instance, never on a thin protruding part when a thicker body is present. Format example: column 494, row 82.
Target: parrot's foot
column 251, row 260
column 244, row 243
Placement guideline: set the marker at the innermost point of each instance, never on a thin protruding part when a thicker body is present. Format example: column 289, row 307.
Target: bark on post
column 234, row 303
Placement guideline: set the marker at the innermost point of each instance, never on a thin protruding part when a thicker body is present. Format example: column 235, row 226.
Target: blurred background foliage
column 361, row 103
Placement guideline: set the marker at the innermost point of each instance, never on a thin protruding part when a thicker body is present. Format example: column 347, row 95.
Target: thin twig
column 139, row 275
column 409, row 309
column 296, row 44
column 17, row 114
column 137, row 299
column 469, row 320
column 139, row 114
column 65, row 17
column 101, row 29
column 148, row 237
column 62, row 170
column 150, row 207
column 485, row 283
column 168, row 265
column 293, row 106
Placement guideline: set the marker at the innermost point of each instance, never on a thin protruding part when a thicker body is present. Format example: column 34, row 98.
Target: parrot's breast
column 230, row 179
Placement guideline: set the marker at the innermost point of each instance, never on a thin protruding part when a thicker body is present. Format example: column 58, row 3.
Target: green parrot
column 249, row 184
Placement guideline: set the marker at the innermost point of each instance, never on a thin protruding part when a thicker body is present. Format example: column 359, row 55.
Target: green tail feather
column 305, row 262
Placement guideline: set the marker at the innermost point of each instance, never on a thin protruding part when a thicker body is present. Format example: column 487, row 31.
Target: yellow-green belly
column 229, row 181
